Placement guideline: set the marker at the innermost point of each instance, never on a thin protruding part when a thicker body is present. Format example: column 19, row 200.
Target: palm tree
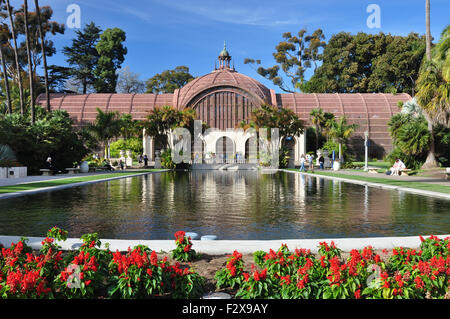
column 16, row 57
column 321, row 121
column 318, row 120
column 44, row 58
column 30, row 68
column 428, row 29
column 107, row 125
column 340, row 131
column 433, row 91
column 4, row 32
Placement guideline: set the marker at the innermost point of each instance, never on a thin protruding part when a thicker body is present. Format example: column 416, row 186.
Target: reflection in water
column 232, row 205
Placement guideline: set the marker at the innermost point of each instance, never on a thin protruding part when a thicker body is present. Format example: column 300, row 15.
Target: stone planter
column 84, row 167
column 336, row 165
column 13, row 172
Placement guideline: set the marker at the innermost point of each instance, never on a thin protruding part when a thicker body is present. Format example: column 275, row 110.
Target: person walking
column 302, row 163
column 311, row 162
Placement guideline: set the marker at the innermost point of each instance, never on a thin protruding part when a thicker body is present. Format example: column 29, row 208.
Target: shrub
column 183, row 251
column 134, row 144
column 91, row 272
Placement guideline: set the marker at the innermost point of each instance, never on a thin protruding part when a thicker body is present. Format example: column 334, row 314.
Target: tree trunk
column 317, row 137
column 340, row 152
column 16, row 57
column 431, row 161
column 44, row 58
column 5, row 77
column 428, row 29
column 30, row 67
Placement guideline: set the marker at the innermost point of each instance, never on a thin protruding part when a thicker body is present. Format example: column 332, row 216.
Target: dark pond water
column 231, row 205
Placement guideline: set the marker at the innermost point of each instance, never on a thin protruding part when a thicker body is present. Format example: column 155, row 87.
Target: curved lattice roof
column 370, row 111
column 223, row 77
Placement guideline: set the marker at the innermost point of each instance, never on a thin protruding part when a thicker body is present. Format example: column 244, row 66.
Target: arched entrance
column 251, row 150
column 225, row 149
column 289, row 144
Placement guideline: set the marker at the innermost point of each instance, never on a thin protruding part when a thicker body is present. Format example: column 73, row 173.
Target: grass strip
column 66, row 181
column 387, row 181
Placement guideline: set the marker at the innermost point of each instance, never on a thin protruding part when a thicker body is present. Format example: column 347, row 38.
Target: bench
column 46, row 172
column 404, row 171
column 72, row 170
column 447, row 172
column 372, row 170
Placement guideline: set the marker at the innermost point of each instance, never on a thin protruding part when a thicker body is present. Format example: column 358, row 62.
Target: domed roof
column 223, row 78
column 224, row 52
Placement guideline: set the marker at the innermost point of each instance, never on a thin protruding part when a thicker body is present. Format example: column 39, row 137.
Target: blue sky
column 162, row 34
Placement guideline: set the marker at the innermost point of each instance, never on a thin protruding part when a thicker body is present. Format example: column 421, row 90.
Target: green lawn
column 389, row 181
column 65, row 181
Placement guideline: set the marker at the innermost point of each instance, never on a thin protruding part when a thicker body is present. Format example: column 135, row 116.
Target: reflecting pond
column 229, row 204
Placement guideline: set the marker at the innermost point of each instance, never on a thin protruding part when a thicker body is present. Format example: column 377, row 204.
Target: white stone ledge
column 218, row 247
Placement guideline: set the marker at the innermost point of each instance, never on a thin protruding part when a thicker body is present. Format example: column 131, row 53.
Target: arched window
column 223, row 108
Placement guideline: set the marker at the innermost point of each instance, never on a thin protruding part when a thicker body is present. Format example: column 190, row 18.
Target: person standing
column 145, row 160
column 321, row 162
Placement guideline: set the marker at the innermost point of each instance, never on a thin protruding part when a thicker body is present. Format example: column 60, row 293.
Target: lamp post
column 366, row 147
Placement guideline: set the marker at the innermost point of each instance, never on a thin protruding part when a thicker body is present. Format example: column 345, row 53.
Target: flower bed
column 408, row 274
column 91, row 272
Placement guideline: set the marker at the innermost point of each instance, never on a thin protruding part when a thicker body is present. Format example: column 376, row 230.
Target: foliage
column 368, row 63
column 129, row 82
column 169, row 80
column 91, row 272
column 134, row 144
column 411, row 140
column 294, row 55
column 166, row 159
column 433, row 84
column 162, row 120
column 285, row 120
column 48, row 26
column 82, row 55
column 51, row 135
column 231, row 275
column 340, row 131
column 111, row 55
column 321, row 121
column 106, row 126
column 183, row 251
column 407, row 274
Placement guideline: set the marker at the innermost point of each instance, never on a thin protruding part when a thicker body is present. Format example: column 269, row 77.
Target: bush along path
column 91, row 272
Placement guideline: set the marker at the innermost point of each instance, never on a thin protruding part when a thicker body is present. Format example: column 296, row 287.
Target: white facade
column 232, row 146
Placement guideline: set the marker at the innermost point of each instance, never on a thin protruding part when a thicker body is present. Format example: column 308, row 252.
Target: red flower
column 358, row 294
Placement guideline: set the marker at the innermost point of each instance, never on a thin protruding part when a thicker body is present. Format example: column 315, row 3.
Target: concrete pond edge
column 219, row 247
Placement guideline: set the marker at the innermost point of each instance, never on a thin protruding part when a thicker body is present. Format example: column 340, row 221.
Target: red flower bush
column 183, row 250
column 232, row 274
